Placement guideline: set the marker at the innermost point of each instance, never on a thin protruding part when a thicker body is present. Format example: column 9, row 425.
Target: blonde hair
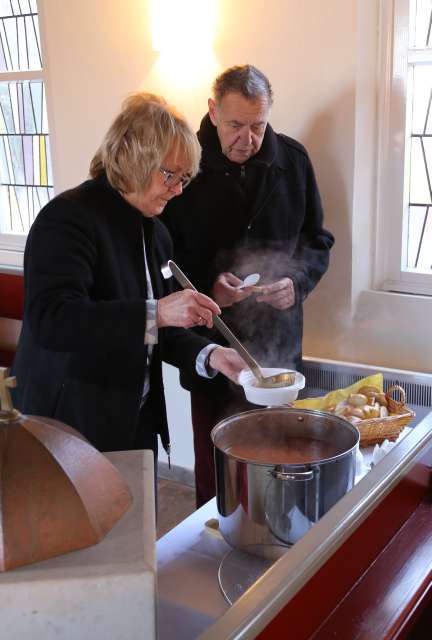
column 134, row 147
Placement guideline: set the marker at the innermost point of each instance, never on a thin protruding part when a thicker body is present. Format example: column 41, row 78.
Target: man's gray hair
column 245, row 79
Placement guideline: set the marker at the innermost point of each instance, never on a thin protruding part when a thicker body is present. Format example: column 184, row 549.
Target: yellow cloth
column 333, row 397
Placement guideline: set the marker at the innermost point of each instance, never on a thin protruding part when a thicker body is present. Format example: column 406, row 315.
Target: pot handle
column 299, row 476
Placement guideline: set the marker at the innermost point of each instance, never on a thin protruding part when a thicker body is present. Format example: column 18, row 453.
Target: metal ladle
column 284, row 379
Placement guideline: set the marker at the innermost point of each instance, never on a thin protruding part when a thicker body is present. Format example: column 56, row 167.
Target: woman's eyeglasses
column 172, row 179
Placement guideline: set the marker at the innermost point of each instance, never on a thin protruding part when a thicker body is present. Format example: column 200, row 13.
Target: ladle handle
column 220, row 324
column 237, row 345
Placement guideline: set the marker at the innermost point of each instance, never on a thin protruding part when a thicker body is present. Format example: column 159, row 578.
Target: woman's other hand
column 228, row 362
column 186, row 309
column 226, row 292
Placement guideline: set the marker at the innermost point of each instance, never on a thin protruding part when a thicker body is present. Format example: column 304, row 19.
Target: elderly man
column 253, row 208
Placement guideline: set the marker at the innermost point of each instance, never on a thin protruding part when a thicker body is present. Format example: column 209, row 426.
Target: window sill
column 411, row 288
column 394, row 297
column 11, row 269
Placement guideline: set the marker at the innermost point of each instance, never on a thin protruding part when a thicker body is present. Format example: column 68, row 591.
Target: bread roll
column 357, row 399
column 382, row 399
column 355, row 411
column 369, row 390
column 371, row 412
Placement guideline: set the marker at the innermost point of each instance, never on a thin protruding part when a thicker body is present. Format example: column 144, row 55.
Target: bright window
column 419, row 116
column 404, row 235
column 26, row 181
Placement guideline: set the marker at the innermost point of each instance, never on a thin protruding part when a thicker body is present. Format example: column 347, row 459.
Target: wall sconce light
column 183, row 32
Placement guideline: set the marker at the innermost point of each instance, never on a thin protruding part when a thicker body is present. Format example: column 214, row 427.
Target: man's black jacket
column 264, row 216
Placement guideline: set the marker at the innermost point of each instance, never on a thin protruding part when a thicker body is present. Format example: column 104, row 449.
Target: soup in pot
column 291, row 451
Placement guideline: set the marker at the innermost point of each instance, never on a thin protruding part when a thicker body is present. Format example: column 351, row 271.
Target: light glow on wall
column 183, row 33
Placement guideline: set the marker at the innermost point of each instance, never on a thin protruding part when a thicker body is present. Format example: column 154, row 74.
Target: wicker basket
column 376, row 430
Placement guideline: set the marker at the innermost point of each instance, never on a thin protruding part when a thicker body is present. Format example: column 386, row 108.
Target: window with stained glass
column 418, row 236
column 26, row 182
column 404, row 222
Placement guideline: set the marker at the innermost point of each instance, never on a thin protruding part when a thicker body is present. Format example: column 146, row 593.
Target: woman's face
column 152, row 201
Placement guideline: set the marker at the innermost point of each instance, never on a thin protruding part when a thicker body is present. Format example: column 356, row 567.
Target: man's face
column 240, row 123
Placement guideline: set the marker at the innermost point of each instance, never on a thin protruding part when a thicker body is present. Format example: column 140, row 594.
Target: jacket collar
column 213, row 158
column 102, row 181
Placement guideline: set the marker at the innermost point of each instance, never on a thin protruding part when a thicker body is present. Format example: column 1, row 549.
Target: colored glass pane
column 25, row 160
column 20, row 205
column 19, row 36
column 418, row 236
column 421, row 32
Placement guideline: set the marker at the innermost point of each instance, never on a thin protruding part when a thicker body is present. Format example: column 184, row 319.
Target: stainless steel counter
column 188, row 558
column 189, row 597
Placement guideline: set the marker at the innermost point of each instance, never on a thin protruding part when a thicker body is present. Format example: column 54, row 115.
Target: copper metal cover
column 57, row 492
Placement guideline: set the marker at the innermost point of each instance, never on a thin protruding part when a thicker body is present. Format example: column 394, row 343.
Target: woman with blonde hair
column 99, row 318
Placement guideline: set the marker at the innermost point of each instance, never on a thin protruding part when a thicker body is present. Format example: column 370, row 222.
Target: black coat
column 265, row 216
column 81, row 356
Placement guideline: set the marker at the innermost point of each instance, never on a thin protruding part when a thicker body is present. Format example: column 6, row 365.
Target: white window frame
column 12, row 245
column 393, row 141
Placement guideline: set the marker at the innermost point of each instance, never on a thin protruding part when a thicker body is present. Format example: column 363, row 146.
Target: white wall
column 321, row 59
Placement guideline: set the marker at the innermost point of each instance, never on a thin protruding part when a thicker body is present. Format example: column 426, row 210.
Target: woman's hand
column 186, row 309
column 225, row 290
column 228, row 362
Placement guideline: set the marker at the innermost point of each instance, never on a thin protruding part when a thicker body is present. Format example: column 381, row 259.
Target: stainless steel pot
column 261, row 503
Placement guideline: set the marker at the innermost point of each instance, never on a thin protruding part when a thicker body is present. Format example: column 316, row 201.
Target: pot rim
column 297, row 465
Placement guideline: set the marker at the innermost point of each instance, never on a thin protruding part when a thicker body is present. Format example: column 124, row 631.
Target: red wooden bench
column 11, row 313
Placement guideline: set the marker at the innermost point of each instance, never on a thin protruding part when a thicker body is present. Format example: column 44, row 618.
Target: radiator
column 326, row 375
